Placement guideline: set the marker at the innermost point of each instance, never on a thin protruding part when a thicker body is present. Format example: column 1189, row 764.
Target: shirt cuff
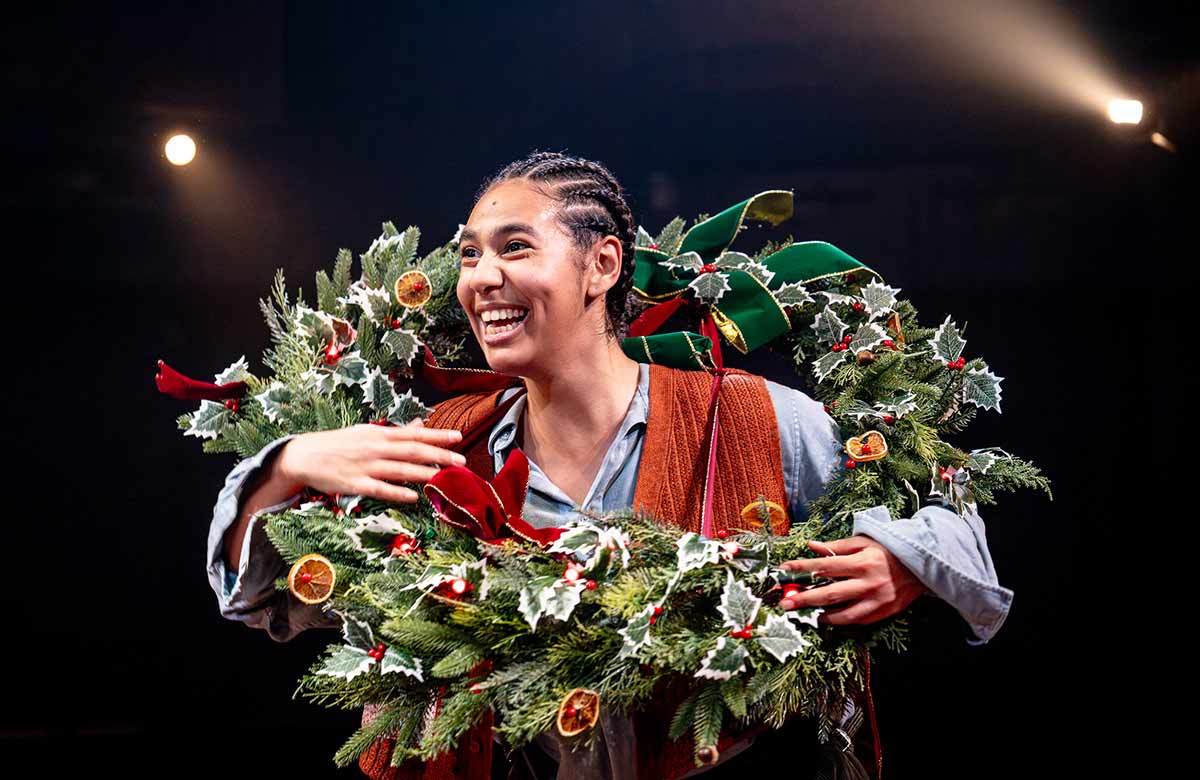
column 948, row 554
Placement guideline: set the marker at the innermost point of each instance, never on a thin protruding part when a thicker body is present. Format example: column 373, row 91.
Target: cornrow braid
column 591, row 205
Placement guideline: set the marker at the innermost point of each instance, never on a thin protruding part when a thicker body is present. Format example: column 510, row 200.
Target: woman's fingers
column 824, row 595
column 419, row 452
column 385, row 491
column 415, row 432
column 399, row 471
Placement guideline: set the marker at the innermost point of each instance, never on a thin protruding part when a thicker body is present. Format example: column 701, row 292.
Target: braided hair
column 591, row 205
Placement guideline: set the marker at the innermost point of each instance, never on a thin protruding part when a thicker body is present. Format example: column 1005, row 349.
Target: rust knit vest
column 670, row 486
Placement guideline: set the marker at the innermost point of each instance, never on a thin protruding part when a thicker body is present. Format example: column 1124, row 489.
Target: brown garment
column 670, row 486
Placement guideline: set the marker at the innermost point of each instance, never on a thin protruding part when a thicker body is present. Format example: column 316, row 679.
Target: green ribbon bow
column 745, row 299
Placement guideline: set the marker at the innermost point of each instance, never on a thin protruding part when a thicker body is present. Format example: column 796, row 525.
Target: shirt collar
column 504, row 433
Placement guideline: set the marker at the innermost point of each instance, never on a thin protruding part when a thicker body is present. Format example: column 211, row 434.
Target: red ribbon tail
column 171, row 382
column 708, row 328
column 462, row 380
column 652, row 319
column 710, row 472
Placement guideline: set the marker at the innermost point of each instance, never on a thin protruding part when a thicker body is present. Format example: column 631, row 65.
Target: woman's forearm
column 269, row 486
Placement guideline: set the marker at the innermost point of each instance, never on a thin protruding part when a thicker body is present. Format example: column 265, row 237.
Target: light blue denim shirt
column 947, row 552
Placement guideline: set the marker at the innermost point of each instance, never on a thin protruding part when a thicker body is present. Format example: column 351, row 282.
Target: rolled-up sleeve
column 249, row 595
column 945, row 551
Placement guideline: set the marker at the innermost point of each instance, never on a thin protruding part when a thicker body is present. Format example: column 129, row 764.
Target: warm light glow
column 459, row 586
column 180, row 150
column 1125, row 112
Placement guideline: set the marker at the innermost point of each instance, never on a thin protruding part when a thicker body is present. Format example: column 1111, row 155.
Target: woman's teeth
column 496, row 321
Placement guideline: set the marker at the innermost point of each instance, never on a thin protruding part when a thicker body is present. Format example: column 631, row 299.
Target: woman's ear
column 605, row 265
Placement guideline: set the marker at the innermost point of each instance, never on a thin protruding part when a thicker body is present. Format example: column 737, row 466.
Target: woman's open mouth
column 502, row 325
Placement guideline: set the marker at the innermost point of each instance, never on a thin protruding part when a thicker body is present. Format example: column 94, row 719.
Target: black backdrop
column 1059, row 241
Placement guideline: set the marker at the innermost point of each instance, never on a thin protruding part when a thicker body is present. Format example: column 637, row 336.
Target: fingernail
column 460, row 459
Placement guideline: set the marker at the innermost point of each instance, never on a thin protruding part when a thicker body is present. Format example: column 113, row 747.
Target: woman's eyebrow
column 512, row 227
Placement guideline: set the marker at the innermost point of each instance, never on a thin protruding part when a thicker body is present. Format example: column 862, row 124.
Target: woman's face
column 519, row 283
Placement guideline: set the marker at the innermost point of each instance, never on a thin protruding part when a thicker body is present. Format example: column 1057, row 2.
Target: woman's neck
column 572, row 415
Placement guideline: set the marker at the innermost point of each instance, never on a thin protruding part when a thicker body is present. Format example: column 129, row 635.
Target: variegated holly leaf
column 642, row 239
column 824, row 365
column 710, row 287
column 378, row 392
column 274, row 399
column 947, row 342
column 868, row 336
column 982, row 388
column 838, row 298
column 375, row 302
column 373, row 535
column 474, row 572
column 980, row 461
column 780, row 638
column 695, row 552
column 533, row 598
column 209, row 421
column 730, row 261
column 636, row 633
column 879, row 298
column 723, row 661
column 563, row 598
column 829, row 327
column 347, row 663
column 357, row 632
column 751, row 559
column 860, row 410
column 237, row 372
column 350, row 370
column 899, row 405
column 739, row 606
column 407, row 407
column 793, row 294
column 759, row 272
column 402, row 661
column 688, row 261
column 403, row 343
column 808, row 616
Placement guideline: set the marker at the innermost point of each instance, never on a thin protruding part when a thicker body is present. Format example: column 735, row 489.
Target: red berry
column 722, row 534
column 833, row 404
column 851, row 464
column 653, row 245
column 827, row 409
column 476, row 688
column 847, row 338
column 736, row 633
column 395, row 323
column 590, row 584
column 418, row 286
column 887, row 418
column 570, row 711
column 889, row 343
column 866, row 449
column 332, row 355
column 791, row 589
column 658, row 610
column 707, row 268
column 653, row 620
column 859, row 306
column 306, row 577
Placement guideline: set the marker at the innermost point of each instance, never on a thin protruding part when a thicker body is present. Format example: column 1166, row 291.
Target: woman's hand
column 365, row 460
column 872, row 583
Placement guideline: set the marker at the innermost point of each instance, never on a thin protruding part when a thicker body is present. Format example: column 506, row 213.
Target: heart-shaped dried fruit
column 870, row 446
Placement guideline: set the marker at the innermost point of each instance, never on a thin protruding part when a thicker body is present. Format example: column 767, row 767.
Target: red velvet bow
column 462, row 380
column 487, row 510
column 176, row 385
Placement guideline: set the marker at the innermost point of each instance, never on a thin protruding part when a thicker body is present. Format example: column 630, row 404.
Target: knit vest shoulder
column 670, row 487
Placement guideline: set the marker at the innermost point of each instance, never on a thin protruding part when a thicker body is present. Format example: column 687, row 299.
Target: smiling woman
column 546, row 265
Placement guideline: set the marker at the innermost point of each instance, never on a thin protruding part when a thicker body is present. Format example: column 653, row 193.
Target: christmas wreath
column 454, row 608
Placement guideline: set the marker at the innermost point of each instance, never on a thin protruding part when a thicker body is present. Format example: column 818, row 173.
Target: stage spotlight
column 1125, row 112
column 180, row 150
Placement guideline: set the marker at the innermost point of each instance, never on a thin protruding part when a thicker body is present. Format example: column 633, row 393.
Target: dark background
column 944, row 144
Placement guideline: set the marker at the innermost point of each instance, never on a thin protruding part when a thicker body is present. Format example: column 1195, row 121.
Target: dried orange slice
column 312, row 579
column 752, row 516
column 413, row 289
column 870, row 446
column 578, row 712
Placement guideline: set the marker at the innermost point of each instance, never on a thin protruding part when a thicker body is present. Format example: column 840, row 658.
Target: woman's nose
column 486, row 274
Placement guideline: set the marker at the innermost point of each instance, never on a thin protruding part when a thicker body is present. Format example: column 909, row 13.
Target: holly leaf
column 732, row 261
column 859, row 410
column 838, row 298
column 402, row 661
column 407, row 407
column 980, row 462
column 350, row 370
column 209, row 421
column 824, row 365
column 373, row 535
column 780, row 638
column 759, row 271
column 695, row 552
column 899, row 405
column 357, row 632
column 403, row 344
column 710, row 287
column 879, row 298
column 868, row 336
column 563, row 598
column 808, row 616
column 793, row 294
column 723, row 661
column 235, row 373
column 642, row 239
column 375, row 302
column 739, row 607
column 274, row 400
column 533, row 598
column 828, row 326
column 982, row 388
column 636, row 633
column 378, row 392
column 688, row 261
column 947, row 343
column 347, row 663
